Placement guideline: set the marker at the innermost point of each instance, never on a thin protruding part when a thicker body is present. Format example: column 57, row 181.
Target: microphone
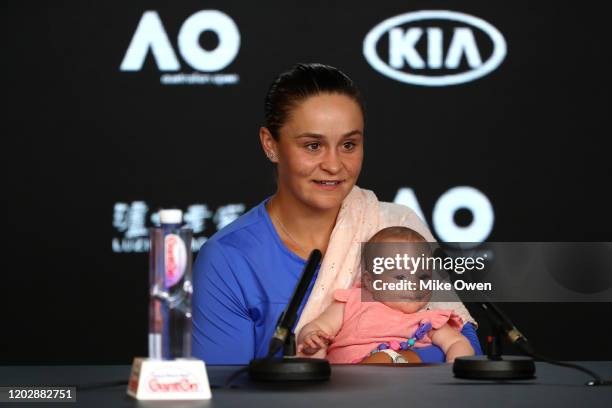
column 495, row 366
column 499, row 320
column 288, row 317
column 290, row 367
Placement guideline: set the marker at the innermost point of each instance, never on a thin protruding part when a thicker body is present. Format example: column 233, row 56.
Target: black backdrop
column 86, row 144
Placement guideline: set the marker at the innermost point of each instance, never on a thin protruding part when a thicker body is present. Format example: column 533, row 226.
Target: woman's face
column 320, row 150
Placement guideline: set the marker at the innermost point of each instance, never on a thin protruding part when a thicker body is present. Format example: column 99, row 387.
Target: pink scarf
column 360, row 217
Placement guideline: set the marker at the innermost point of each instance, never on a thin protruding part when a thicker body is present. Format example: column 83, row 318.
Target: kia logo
column 421, row 41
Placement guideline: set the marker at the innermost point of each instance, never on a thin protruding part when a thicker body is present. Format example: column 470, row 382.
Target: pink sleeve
column 441, row 317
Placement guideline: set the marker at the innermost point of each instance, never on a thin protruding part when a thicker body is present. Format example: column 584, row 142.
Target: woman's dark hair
column 300, row 82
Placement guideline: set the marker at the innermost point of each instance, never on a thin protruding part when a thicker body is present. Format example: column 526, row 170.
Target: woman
column 245, row 274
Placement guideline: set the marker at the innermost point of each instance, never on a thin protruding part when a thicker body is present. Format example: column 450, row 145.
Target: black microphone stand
column 494, row 365
column 289, row 367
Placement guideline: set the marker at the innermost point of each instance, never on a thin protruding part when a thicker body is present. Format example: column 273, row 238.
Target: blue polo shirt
column 243, row 278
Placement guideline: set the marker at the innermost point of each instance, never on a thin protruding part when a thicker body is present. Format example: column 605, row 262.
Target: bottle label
column 175, row 254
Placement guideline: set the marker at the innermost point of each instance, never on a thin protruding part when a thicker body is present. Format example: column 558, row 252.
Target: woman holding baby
column 245, row 274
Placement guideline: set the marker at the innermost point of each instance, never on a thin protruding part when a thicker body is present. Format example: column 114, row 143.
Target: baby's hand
column 315, row 341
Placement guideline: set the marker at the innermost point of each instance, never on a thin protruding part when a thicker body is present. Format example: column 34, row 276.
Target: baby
column 369, row 325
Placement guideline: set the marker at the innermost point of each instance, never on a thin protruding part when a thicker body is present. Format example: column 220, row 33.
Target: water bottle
column 171, row 288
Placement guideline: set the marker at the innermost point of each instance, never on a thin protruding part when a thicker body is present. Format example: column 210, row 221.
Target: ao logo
column 403, row 43
column 150, row 34
column 457, row 198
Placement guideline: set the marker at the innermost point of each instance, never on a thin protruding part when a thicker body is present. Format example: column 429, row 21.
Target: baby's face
column 378, row 284
column 406, row 301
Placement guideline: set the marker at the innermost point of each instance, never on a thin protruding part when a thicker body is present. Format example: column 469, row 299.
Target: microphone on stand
column 494, row 365
column 289, row 367
column 289, row 316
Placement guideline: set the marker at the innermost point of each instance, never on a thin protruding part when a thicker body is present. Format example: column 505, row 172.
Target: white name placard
column 181, row 379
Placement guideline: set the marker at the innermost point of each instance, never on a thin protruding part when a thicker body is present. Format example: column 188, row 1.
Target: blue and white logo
column 428, row 48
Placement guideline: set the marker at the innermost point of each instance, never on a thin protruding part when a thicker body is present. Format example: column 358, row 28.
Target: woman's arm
column 452, row 343
column 223, row 331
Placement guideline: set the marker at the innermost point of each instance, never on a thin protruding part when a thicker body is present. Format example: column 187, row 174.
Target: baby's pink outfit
column 367, row 324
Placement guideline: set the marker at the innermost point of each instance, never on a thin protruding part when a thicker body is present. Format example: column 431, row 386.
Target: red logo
column 182, row 385
column 175, row 259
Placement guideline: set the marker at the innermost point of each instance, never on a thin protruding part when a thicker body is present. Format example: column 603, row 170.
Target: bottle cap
column 172, row 216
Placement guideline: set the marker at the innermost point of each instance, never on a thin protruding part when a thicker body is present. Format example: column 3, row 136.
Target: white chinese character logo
column 227, row 214
column 196, row 217
column 130, row 219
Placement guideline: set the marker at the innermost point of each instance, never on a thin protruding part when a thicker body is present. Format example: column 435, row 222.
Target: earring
column 271, row 156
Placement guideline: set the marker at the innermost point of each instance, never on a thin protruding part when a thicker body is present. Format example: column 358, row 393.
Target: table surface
column 349, row 386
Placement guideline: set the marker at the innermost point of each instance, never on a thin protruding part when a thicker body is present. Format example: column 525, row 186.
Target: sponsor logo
column 172, row 380
column 151, row 36
column 132, row 221
column 445, row 226
column 176, row 259
column 434, row 48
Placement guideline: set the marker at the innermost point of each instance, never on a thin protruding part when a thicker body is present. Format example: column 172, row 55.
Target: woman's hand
column 314, row 341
